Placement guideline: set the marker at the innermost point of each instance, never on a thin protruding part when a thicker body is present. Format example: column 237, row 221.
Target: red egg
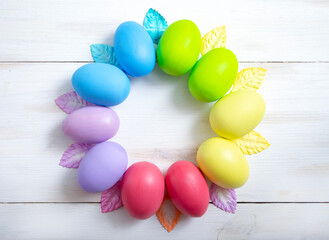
column 142, row 189
column 187, row 188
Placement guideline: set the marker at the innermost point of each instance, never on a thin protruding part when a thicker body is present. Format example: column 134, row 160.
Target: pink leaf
column 73, row 155
column 71, row 101
column 223, row 198
column 111, row 198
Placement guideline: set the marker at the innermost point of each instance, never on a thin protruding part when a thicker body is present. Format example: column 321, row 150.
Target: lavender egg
column 102, row 167
column 91, row 124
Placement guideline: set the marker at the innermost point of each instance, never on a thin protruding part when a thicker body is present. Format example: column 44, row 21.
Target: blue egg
column 134, row 49
column 101, row 84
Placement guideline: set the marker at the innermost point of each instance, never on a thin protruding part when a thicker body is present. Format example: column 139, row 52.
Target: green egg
column 213, row 75
column 179, row 47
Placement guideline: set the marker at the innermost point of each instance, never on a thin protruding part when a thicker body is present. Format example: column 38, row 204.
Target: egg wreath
column 141, row 188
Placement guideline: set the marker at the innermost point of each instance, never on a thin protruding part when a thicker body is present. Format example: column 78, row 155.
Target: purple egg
column 91, row 124
column 102, row 167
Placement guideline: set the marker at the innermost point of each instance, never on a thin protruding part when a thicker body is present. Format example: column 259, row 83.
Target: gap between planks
column 209, row 202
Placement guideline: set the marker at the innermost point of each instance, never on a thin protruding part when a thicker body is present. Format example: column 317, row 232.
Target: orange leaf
column 168, row 214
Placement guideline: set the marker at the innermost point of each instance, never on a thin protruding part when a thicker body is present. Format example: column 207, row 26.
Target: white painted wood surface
column 85, row 221
column 258, row 30
column 43, row 42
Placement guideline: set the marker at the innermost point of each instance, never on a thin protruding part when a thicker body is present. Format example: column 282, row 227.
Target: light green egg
column 179, row 48
column 213, row 75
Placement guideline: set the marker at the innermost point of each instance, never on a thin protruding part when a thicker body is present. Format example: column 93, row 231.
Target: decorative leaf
column 249, row 78
column 168, row 214
column 111, row 198
column 223, row 198
column 103, row 53
column 71, row 101
column 216, row 38
column 251, row 143
column 73, row 155
column 155, row 24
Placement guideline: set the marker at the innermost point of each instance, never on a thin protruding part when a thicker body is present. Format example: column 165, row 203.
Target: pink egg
column 142, row 190
column 187, row 188
column 91, row 124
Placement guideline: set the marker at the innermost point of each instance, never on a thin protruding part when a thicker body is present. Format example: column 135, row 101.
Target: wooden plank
column 162, row 123
column 40, row 30
column 85, row 221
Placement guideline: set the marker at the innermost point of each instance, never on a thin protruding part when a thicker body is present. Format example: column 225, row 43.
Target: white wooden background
column 42, row 42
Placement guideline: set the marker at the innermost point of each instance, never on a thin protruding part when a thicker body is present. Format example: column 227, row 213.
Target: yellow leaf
column 249, row 78
column 216, row 38
column 251, row 143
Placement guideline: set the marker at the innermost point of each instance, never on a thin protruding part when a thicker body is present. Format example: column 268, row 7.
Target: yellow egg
column 237, row 113
column 223, row 163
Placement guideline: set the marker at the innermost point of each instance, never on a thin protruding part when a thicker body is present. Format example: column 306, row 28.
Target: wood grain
column 85, row 221
column 162, row 123
column 258, row 30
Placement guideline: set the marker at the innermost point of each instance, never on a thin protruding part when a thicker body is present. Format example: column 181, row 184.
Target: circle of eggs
column 143, row 185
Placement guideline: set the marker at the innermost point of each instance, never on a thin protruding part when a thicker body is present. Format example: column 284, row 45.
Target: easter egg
column 236, row 114
column 102, row 166
column 134, row 49
column 223, row 163
column 142, row 189
column 187, row 188
column 101, row 84
column 179, row 47
column 91, row 124
column 213, row 75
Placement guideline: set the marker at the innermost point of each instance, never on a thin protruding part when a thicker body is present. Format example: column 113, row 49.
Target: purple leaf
column 111, row 198
column 73, row 154
column 71, row 101
column 223, row 198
